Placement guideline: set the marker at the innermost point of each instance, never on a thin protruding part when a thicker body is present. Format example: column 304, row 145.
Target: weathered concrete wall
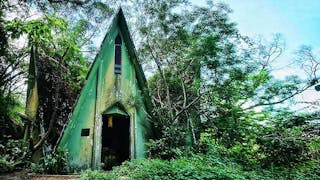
column 80, row 147
column 103, row 90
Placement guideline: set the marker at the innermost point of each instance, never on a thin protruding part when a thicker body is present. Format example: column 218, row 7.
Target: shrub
column 6, row 165
column 314, row 147
column 171, row 144
column 90, row 175
column 285, row 147
column 52, row 163
column 202, row 167
column 13, row 155
column 195, row 167
column 308, row 170
column 245, row 153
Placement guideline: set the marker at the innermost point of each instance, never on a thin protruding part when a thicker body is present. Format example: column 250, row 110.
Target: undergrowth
column 201, row 167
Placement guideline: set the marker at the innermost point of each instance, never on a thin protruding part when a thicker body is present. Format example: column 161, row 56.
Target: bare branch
column 279, row 101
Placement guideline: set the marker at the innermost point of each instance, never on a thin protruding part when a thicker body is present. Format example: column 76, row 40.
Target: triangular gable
column 119, row 20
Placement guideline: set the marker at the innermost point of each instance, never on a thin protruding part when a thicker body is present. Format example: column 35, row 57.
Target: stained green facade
column 108, row 93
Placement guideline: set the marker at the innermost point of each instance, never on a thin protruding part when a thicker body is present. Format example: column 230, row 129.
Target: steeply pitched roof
column 119, row 19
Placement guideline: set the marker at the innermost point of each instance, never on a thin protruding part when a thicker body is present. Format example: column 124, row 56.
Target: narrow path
column 25, row 176
column 54, row 177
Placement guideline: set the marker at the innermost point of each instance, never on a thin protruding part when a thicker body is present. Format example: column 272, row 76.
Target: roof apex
column 120, row 21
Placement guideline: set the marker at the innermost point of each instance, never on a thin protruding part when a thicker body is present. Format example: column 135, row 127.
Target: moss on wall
column 103, row 90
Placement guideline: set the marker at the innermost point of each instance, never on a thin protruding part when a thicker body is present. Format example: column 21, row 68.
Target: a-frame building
column 108, row 124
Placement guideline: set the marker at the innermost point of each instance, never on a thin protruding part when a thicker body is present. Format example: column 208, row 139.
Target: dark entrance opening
column 115, row 140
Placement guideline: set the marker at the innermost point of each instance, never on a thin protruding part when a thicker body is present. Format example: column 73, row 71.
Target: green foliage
column 90, row 175
column 10, row 74
column 314, row 147
column 6, row 165
column 61, row 66
column 39, row 31
column 170, row 145
column 245, row 153
column 270, row 147
column 202, row 167
column 52, row 163
column 199, row 54
column 196, row 167
column 307, row 170
column 57, row 39
column 14, row 155
column 11, row 122
column 204, row 68
column 286, row 147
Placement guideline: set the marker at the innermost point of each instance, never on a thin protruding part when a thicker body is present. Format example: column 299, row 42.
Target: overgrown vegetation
column 218, row 110
column 52, row 163
column 201, row 167
column 14, row 155
column 265, row 157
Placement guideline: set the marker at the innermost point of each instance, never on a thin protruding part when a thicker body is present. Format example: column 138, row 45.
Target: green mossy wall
column 103, row 90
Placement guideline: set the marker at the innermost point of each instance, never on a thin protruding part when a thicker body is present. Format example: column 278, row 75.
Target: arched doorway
column 115, row 140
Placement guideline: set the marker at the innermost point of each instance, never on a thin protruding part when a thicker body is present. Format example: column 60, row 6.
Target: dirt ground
column 22, row 175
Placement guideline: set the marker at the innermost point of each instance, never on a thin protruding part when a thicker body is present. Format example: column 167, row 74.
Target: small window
column 85, row 132
column 117, row 55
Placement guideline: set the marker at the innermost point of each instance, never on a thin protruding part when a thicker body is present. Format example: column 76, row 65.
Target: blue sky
column 297, row 20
